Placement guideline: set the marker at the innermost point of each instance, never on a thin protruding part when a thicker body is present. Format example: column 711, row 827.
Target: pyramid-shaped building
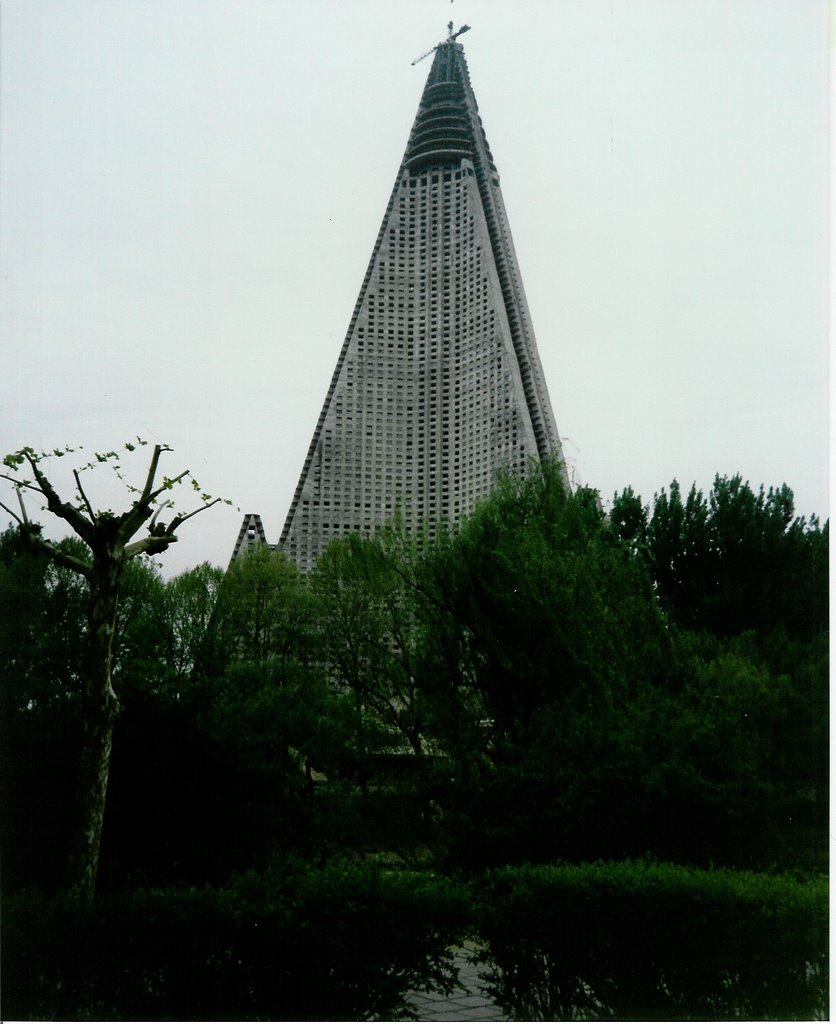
column 438, row 386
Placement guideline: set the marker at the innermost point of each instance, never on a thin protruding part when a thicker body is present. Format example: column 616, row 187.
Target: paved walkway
column 468, row 1004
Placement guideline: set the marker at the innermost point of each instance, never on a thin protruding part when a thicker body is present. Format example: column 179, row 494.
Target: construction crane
column 451, row 35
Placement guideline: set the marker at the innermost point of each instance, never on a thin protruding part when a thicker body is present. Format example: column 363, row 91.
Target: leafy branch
column 102, row 527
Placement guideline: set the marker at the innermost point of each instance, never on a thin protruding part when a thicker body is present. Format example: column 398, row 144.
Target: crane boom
column 451, row 35
column 423, row 55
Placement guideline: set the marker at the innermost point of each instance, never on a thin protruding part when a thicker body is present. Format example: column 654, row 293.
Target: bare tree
column 110, row 539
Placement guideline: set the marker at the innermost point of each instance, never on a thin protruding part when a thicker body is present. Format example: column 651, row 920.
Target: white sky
column 190, row 191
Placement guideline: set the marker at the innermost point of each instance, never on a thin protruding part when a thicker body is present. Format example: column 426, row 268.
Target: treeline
column 545, row 683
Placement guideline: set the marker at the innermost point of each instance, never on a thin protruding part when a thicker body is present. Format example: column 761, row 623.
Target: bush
column 647, row 941
column 342, row 943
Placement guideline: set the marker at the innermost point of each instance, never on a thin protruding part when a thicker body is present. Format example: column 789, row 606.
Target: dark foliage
column 731, row 562
column 645, row 941
column 574, row 686
column 580, row 723
column 342, row 943
column 42, row 610
column 543, row 684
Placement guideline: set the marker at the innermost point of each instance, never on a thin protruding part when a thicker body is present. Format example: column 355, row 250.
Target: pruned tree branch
column 14, row 515
column 156, row 515
column 167, row 486
column 90, row 525
column 152, row 471
column 83, row 496
column 178, row 520
column 60, row 557
column 141, row 509
column 158, row 542
column 20, row 484
column 150, row 545
column 22, row 507
column 82, row 526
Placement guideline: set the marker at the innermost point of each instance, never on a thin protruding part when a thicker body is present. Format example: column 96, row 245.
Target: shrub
column 342, row 943
column 638, row 940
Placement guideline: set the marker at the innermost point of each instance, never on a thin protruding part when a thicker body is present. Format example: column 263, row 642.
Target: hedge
column 345, row 942
column 631, row 940
column 646, row 941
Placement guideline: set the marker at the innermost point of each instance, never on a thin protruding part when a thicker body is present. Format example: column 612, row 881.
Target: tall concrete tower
column 438, row 386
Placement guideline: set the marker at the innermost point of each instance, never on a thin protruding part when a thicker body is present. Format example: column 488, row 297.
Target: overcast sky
column 190, row 191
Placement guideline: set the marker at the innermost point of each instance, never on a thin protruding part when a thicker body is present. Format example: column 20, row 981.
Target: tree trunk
column 101, row 709
column 414, row 738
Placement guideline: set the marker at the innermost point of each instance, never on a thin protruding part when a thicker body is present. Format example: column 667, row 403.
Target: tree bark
column 100, row 712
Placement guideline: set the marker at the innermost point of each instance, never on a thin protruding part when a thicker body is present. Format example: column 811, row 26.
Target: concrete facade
column 250, row 535
column 438, row 386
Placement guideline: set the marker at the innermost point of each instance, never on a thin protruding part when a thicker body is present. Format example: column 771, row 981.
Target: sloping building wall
column 438, row 386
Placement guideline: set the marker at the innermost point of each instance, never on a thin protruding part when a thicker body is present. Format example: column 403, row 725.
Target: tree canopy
column 544, row 681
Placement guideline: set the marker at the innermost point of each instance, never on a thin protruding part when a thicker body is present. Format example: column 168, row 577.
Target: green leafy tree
column 733, row 561
column 682, row 558
column 42, row 613
column 191, row 610
column 628, row 520
column 265, row 611
column 541, row 638
column 109, row 538
column 771, row 566
column 367, row 594
column 267, row 701
column 141, row 638
column 548, row 609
